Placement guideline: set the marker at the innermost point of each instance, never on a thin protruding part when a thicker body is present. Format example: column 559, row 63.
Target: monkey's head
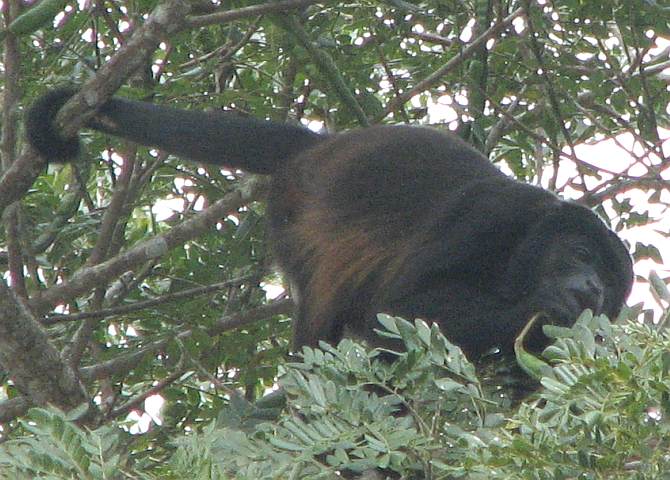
column 569, row 262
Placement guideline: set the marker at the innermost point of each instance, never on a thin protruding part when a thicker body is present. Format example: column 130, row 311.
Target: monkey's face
column 570, row 278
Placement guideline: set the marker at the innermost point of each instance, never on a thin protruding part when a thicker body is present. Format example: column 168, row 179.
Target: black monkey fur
column 405, row 220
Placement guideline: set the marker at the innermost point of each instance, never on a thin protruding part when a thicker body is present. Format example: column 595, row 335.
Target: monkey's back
column 382, row 179
column 346, row 212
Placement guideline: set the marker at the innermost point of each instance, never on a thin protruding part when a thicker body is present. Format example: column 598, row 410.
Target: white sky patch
column 272, row 290
column 442, row 110
column 467, row 33
column 314, row 125
column 151, row 414
column 167, row 207
column 519, row 25
column 164, row 209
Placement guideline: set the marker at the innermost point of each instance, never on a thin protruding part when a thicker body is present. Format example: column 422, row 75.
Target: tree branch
column 226, row 323
column 33, row 363
column 246, row 12
column 90, row 277
column 134, row 307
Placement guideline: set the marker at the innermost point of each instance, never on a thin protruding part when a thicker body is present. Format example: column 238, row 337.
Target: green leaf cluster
column 602, row 414
column 57, row 449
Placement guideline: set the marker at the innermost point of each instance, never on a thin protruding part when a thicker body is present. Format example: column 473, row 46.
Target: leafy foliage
column 56, row 448
column 602, row 414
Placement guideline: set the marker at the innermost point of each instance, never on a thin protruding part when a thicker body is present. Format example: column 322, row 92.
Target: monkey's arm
column 219, row 138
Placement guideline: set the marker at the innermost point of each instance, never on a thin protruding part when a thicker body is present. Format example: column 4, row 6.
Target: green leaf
column 532, row 365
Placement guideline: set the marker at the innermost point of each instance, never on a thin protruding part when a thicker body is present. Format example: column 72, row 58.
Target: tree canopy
column 131, row 274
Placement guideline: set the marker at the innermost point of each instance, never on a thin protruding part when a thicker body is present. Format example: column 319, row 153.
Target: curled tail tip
column 43, row 134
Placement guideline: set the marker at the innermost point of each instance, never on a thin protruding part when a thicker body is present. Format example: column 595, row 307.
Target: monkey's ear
column 41, row 131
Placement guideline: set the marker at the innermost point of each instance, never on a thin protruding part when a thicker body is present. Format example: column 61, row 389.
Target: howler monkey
column 405, row 220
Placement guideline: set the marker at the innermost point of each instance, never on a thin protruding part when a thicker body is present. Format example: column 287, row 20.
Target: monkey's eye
column 583, row 253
